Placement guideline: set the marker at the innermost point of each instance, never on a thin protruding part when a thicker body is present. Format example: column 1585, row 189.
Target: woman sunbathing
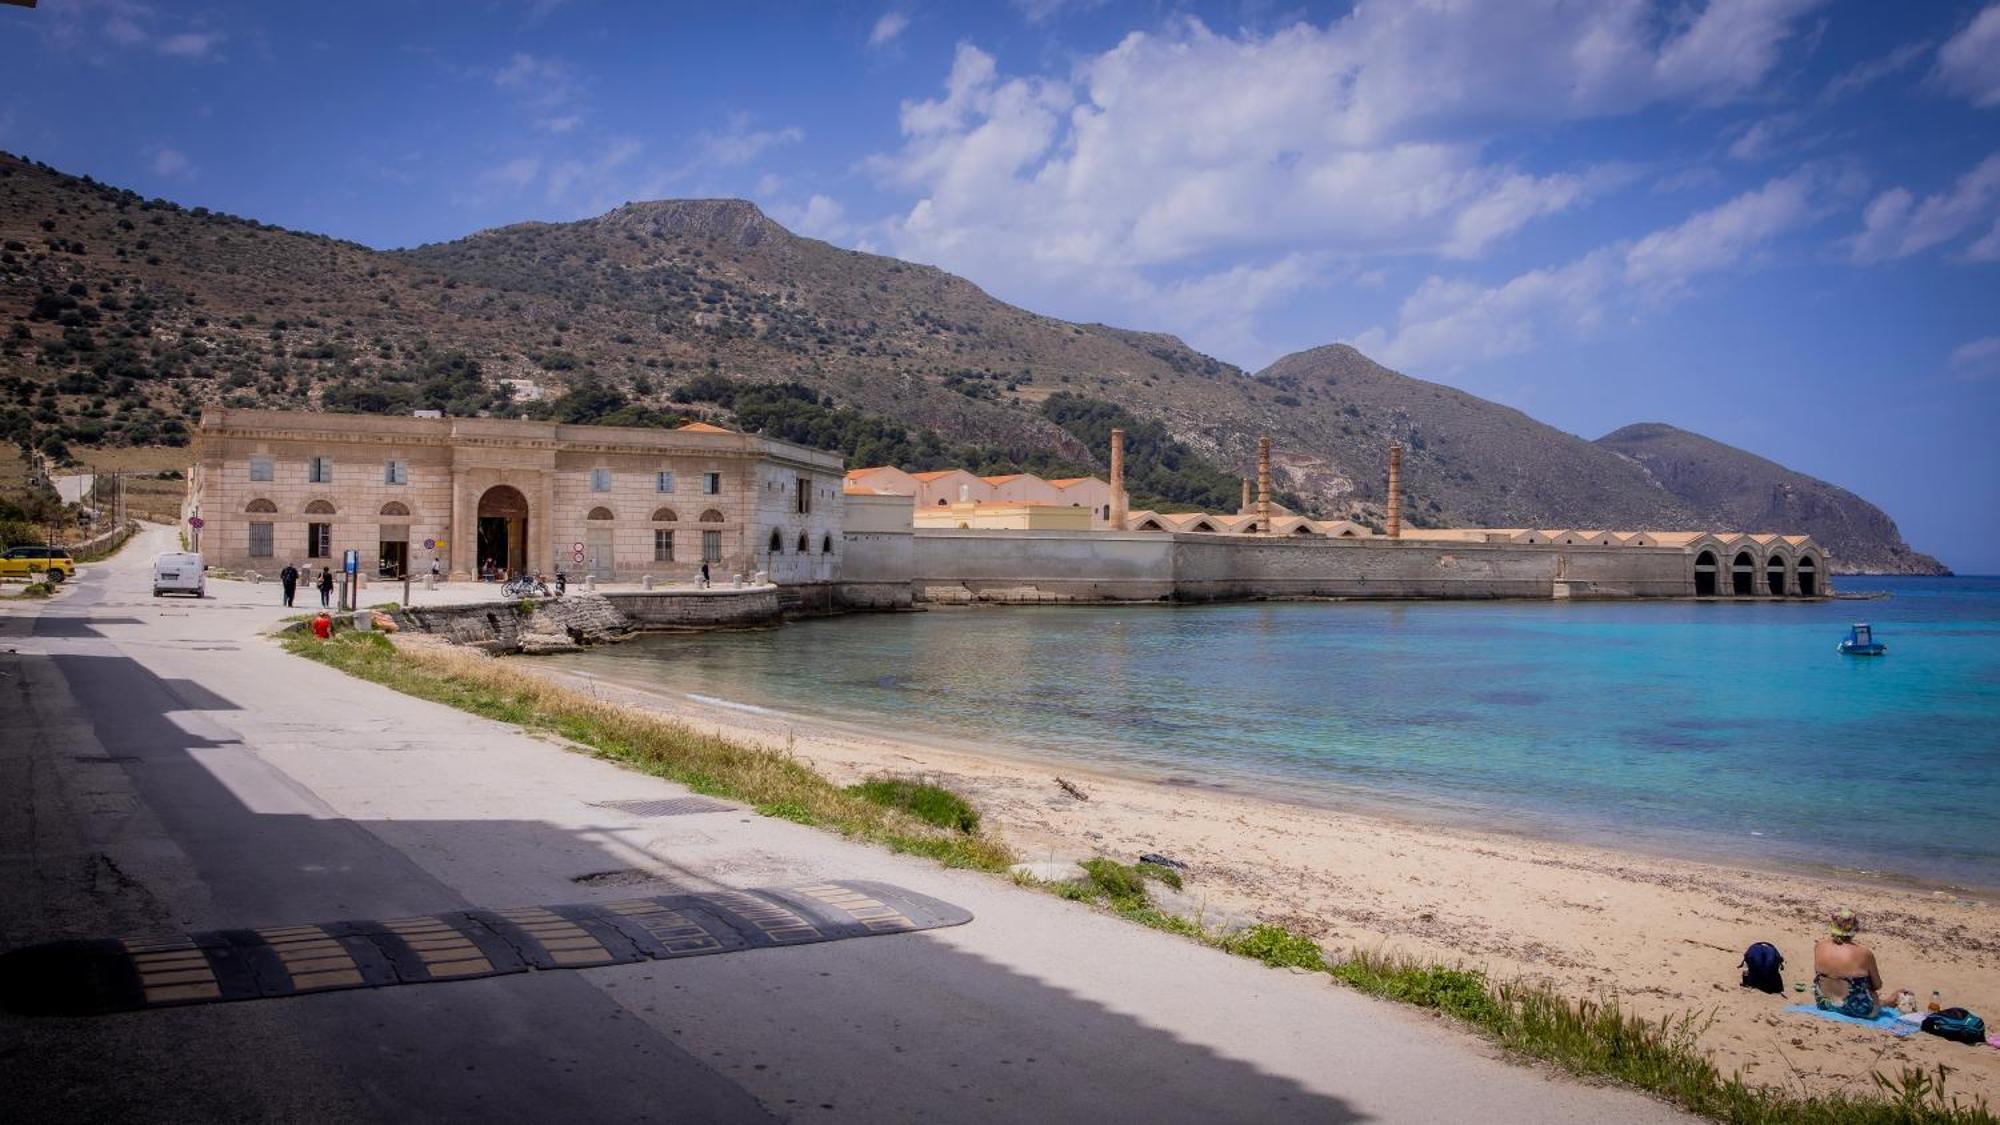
column 1845, row 976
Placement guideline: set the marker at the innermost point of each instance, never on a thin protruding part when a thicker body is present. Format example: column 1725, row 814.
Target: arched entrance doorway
column 1704, row 575
column 1774, row 576
column 1743, row 575
column 1808, row 578
column 503, row 529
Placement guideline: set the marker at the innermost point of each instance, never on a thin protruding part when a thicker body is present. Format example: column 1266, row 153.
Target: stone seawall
column 1028, row 567
column 543, row 625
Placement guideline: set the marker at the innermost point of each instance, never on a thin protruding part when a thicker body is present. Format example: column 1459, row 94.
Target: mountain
column 1739, row 489
column 120, row 317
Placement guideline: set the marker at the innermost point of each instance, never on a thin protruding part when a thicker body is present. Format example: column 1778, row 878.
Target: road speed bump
column 99, row 976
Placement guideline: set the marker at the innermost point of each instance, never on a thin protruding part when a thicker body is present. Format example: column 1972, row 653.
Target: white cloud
column 546, row 87
column 1765, row 137
column 1866, row 74
column 738, row 143
column 1042, row 11
column 1447, row 323
column 887, row 28
column 172, row 162
column 1898, row 224
column 516, row 173
column 1969, row 63
column 1979, row 359
column 191, row 44
column 1310, row 144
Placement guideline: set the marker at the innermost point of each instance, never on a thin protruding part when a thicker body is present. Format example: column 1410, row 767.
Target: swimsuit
column 1859, row 1002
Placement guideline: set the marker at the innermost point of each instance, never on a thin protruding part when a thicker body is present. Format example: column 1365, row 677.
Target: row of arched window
column 776, row 544
column 262, row 506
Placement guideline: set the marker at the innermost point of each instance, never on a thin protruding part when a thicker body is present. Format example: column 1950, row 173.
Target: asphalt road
column 164, row 768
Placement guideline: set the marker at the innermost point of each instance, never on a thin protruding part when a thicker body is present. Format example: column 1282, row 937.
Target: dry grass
column 771, row 780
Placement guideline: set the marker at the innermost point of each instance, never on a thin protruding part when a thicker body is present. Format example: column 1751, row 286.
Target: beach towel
column 1887, row 1021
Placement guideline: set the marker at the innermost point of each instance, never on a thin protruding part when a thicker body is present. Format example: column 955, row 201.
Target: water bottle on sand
column 1937, row 1002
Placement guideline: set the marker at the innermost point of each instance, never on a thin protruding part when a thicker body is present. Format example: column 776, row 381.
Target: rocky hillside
column 1738, row 489
column 120, row 317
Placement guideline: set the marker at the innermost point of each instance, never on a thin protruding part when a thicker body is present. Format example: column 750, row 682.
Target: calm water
column 1711, row 728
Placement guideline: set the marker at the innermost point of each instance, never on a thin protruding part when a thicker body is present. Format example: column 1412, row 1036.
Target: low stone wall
column 543, row 625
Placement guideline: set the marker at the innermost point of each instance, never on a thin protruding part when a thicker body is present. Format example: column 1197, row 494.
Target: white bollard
column 646, row 581
column 430, row 581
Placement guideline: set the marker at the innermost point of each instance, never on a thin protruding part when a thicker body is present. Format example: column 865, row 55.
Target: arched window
column 260, row 505
column 805, row 544
column 599, row 514
column 319, row 508
column 711, row 516
column 941, row 502
column 395, row 508
column 665, row 515
column 826, row 545
column 777, row 542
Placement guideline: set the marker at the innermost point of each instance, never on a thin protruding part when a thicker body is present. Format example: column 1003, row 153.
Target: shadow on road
column 892, row 1026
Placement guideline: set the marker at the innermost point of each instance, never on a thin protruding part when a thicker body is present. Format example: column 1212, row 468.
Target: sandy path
column 1663, row 934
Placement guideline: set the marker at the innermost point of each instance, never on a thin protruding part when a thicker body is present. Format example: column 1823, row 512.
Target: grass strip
column 932, row 804
column 769, row 780
column 1589, row 1038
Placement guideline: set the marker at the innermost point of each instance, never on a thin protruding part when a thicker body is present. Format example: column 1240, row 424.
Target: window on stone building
column 826, row 545
column 777, row 544
column 711, row 546
column 663, row 545
column 711, row 484
column 802, row 495
column 663, row 482
column 260, row 540
column 600, row 480
column 319, row 470
column 712, row 516
column 260, row 468
column 805, row 544
column 319, row 540
column 395, row 472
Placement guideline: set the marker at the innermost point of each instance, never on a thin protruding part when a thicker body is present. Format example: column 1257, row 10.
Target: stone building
column 1018, row 492
column 616, row 503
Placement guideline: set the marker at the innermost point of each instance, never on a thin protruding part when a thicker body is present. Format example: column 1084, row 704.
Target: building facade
column 476, row 495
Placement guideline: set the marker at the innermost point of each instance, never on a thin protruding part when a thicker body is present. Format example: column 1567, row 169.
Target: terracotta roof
column 856, row 474
column 936, row 473
column 1068, row 482
column 1003, row 478
column 703, row 428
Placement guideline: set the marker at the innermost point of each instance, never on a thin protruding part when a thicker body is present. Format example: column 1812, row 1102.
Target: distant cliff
column 1740, row 490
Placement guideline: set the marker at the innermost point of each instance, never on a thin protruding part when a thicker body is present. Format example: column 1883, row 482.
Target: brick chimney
column 1117, row 480
column 1395, row 515
column 1244, row 508
column 1264, row 484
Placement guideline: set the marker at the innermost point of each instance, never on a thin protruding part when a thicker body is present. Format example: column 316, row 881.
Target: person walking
column 704, row 574
column 434, row 566
column 289, row 579
column 325, row 587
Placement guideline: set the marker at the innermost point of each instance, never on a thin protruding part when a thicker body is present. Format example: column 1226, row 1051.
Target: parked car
column 180, row 572
column 37, row 563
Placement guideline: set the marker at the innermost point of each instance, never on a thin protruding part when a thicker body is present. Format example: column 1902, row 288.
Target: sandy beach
column 1663, row 934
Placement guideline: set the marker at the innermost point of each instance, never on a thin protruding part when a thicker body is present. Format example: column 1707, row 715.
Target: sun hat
column 1844, row 925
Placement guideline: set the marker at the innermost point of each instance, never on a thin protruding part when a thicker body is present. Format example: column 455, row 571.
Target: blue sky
column 1776, row 222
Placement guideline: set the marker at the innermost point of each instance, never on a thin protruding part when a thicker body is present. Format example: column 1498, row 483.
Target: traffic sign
column 576, row 546
column 430, row 544
column 576, row 555
column 351, row 562
column 195, row 522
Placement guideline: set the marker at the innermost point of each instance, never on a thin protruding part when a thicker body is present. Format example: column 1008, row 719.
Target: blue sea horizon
column 1712, row 729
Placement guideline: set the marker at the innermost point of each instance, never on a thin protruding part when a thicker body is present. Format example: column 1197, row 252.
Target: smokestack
column 1117, row 480
column 1264, row 484
column 1395, row 520
column 1244, row 508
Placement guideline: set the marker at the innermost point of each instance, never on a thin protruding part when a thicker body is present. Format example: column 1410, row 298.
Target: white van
column 179, row 572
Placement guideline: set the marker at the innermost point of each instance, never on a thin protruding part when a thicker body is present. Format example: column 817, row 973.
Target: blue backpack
column 1957, row 1025
column 1762, row 964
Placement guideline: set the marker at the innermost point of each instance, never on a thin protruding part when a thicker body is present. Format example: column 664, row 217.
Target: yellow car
column 37, row 564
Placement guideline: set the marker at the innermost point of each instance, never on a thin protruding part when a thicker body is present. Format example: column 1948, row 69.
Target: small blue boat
column 1861, row 642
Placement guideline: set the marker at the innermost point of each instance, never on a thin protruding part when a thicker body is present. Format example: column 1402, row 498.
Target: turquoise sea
column 1704, row 729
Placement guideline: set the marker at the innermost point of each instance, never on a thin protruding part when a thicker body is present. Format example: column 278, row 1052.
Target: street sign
column 430, row 544
column 351, row 562
column 195, row 522
column 576, row 547
column 576, row 555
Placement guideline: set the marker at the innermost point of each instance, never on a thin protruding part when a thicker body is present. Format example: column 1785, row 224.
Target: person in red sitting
column 323, row 625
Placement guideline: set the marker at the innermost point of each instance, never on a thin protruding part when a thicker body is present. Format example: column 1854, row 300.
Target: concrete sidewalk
column 178, row 771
